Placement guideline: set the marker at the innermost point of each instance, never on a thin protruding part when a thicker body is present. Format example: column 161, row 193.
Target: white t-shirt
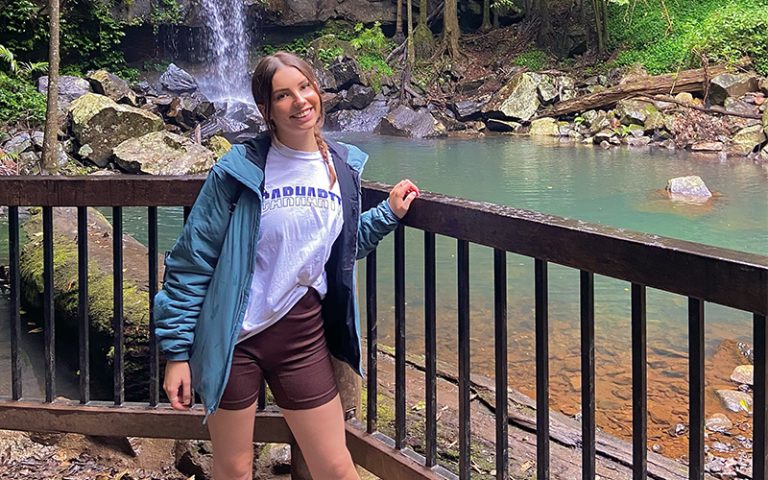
column 301, row 217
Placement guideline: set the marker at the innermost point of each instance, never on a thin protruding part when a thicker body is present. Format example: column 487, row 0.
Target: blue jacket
column 200, row 309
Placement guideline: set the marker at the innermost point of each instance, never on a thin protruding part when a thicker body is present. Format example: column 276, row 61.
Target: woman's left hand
column 401, row 196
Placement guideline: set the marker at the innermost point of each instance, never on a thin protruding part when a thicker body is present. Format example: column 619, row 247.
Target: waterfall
column 228, row 42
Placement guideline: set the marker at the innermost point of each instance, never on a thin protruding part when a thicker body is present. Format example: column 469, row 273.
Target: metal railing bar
column 371, row 413
column 500, row 355
column 542, row 369
column 14, row 256
column 152, row 264
column 587, row 307
column 117, row 315
column 430, row 348
column 639, row 385
column 465, row 454
column 696, row 395
column 83, row 330
column 49, row 319
column 760, row 416
column 400, row 427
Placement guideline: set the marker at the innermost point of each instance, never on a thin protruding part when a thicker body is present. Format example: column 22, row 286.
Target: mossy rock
column 100, row 292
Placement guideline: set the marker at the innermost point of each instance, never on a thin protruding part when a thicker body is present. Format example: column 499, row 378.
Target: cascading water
column 228, row 41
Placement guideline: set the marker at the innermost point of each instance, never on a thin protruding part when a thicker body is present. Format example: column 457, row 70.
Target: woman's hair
column 261, row 87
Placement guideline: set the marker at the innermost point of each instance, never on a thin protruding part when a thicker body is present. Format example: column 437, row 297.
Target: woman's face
column 295, row 104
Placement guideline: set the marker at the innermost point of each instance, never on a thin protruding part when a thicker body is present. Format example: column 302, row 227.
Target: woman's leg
column 232, row 436
column 320, row 434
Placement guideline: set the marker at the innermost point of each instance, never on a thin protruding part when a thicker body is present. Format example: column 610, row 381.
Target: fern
column 7, row 56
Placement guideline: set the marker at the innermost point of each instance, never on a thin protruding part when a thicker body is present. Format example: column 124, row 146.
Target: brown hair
column 261, row 87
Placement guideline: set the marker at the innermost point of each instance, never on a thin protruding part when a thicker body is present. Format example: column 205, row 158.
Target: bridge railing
column 701, row 273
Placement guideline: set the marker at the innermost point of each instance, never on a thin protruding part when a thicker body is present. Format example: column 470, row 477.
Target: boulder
column 70, row 88
column 744, row 375
column 735, row 401
column 740, row 106
column 18, row 144
column 331, row 102
column 638, row 141
column 517, row 100
column 177, row 80
column 499, row 125
column 763, row 85
column 163, row 153
column 690, row 186
column 406, row 122
column 764, row 154
column 101, row 124
column 29, row 164
column 707, row 147
column 718, row 423
column 218, row 145
column 548, row 89
column 221, row 126
column 765, row 121
column 466, row 109
column 685, row 98
column 357, row 97
column 654, row 121
column 365, row 120
column 112, row 86
column 544, row 127
column 634, row 112
column 194, row 458
column 731, row 85
column 567, row 88
column 600, row 122
column 340, row 74
column 748, row 139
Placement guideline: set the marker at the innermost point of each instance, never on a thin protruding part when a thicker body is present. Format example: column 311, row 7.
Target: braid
column 323, row 147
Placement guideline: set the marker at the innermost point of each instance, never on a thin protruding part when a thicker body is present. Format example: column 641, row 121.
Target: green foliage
column 665, row 39
column 370, row 40
column 327, row 55
column 165, row 12
column 297, row 45
column 533, row 60
column 20, row 102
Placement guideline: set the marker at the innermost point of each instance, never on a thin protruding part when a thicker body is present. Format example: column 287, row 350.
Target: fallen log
column 685, row 81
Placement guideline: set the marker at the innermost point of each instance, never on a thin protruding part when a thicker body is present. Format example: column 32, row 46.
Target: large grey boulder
column 177, row 80
column 163, row 153
column 735, row 401
column 364, row 121
column 690, row 186
column 747, row 139
column 357, row 97
column 517, row 100
column 634, row 112
column 112, row 86
column 466, row 109
column 70, row 88
column 544, row 127
column 340, row 74
column 731, row 85
column 548, row 89
column 100, row 124
column 406, row 122
column 18, row 144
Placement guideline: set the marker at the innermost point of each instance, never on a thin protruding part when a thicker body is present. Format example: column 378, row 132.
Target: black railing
column 702, row 273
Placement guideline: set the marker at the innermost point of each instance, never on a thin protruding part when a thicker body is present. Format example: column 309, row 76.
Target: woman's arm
column 377, row 222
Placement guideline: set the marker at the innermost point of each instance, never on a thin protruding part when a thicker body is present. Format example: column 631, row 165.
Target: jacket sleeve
column 375, row 224
column 190, row 264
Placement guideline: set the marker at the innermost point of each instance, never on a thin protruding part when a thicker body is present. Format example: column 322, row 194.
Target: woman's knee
column 228, row 467
column 338, row 466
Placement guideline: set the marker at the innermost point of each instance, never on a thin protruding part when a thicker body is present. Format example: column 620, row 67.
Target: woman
column 260, row 284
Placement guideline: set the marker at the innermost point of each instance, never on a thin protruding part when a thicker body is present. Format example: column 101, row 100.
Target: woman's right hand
column 178, row 385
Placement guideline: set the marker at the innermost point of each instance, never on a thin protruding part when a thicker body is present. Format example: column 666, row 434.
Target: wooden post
column 348, row 383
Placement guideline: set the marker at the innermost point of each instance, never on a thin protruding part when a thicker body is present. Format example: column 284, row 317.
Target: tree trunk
column 411, row 54
column 486, row 25
column 542, row 14
column 50, row 140
column 422, row 35
column 399, row 22
column 600, row 24
column 451, row 30
column 423, row 10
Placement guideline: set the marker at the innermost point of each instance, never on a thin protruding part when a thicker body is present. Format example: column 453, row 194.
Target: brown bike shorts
column 291, row 356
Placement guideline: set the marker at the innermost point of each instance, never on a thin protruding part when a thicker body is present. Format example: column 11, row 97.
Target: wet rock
column 144, row 88
column 340, row 74
column 101, row 124
column 280, row 459
column 18, row 144
column 499, row 125
column 517, row 100
column 735, row 401
column 731, row 85
column 544, row 127
column 690, row 186
column 685, row 98
column 365, row 120
column 748, row 139
column 194, row 458
column 638, row 141
column 112, row 86
column 357, row 97
column 177, row 80
column 406, row 122
column 466, row 109
column 718, row 423
column 744, row 374
column 605, row 145
column 707, row 147
column 70, row 88
column 548, row 89
column 221, row 126
column 603, row 136
column 218, row 145
column 163, row 153
column 187, row 110
column 740, row 106
column 331, row 102
column 634, row 111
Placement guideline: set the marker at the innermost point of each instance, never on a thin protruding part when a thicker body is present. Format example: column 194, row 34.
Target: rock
column 499, row 125
column 605, row 145
column 548, row 91
column 130, row 446
column 357, row 97
column 177, row 80
column 280, row 459
column 721, row 447
column 765, row 121
column 18, row 144
column 544, row 127
column 517, row 100
column 731, row 85
column 194, row 458
column 685, row 98
column 331, row 102
column 101, row 124
column 601, row 122
column 163, row 153
column 112, row 86
column 763, row 85
column 744, row 374
column 471, row 85
column 340, row 74
column 691, row 186
column 740, row 106
column 735, row 401
column 405, row 122
column 218, row 145
column 567, row 88
column 638, row 141
column 764, row 154
column 747, row 139
column 654, row 121
column 29, row 163
column 466, row 109
column 634, row 111
column 225, row 127
column 603, row 136
column 365, row 120
column 70, row 88
column 46, row 438
column 588, row 117
column 707, row 147
column 185, row 111
column 37, row 139
column 718, row 423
